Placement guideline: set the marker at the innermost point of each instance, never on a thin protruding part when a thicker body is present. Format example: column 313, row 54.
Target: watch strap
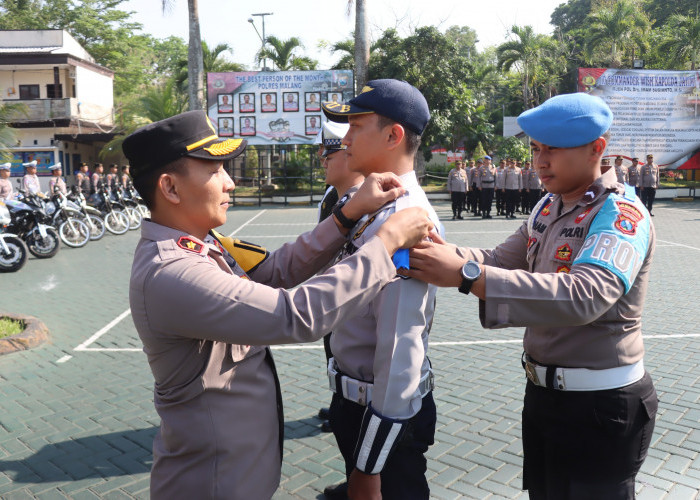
column 344, row 221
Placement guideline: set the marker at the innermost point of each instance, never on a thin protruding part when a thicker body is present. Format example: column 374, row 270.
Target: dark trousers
column 586, row 445
column 512, row 200
column 524, row 202
column 486, row 200
column 534, row 196
column 473, row 200
column 457, row 202
column 500, row 201
column 403, row 476
column 648, row 197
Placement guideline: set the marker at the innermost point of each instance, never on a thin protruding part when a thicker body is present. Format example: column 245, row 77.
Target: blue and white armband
column 379, row 436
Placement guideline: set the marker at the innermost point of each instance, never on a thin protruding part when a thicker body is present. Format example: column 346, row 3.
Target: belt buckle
column 531, row 373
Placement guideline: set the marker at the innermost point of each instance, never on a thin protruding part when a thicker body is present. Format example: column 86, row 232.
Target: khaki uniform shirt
column 633, row 175
column 57, row 181
column 561, row 276
column 649, row 175
column 514, row 179
column 500, row 178
column 205, row 324
column 473, row 174
column 30, row 183
column 457, row 181
column 622, row 175
column 486, row 177
column 531, row 180
column 5, row 189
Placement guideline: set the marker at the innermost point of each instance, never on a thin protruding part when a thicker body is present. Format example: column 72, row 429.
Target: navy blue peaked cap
column 395, row 99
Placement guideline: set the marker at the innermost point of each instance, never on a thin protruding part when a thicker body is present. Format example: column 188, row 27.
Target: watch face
column 471, row 270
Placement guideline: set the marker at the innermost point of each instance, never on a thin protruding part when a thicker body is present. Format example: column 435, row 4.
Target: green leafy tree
column 479, row 151
column 8, row 134
column 681, row 40
column 616, row 27
column 284, row 54
column 525, row 53
column 214, row 62
column 511, row 147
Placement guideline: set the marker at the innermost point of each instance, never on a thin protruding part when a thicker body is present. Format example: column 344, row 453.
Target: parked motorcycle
column 130, row 208
column 13, row 251
column 131, row 194
column 32, row 224
column 91, row 216
column 116, row 221
column 72, row 230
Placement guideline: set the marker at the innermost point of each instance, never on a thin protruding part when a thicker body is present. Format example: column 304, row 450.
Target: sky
column 316, row 21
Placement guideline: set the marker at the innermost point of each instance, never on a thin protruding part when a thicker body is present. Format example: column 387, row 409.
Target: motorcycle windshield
column 15, row 205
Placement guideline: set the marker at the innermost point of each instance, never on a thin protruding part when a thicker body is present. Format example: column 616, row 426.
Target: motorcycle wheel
column 134, row 218
column 43, row 248
column 96, row 226
column 145, row 212
column 16, row 258
column 74, row 233
column 117, row 222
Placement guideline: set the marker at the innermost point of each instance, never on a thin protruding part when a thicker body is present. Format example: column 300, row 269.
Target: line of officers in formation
column 515, row 185
column 89, row 183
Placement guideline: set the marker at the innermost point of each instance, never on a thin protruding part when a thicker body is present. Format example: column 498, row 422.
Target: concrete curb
column 35, row 333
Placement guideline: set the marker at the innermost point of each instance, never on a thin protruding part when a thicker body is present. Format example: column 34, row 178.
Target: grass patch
column 9, row 326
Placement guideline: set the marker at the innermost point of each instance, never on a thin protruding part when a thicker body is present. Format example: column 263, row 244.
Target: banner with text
column 655, row 112
column 274, row 107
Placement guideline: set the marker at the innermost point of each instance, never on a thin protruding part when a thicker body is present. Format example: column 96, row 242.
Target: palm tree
column 346, row 48
column 8, row 135
column 526, row 54
column 682, row 40
column 362, row 45
column 195, row 60
column 213, row 62
column 620, row 25
column 283, row 54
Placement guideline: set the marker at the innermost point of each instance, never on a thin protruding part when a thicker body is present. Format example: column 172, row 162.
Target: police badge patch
column 628, row 218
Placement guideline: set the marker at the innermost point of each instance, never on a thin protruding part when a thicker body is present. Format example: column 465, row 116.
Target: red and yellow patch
column 187, row 243
column 628, row 218
column 531, row 241
column 583, row 215
column 545, row 211
column 563, row 269
column 564, row 253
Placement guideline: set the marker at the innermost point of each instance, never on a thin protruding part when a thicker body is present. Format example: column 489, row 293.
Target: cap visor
column 328, row 152
column 225, row 149
column 340, row 112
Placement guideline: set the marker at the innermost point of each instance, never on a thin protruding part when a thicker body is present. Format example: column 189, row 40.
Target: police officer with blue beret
column 575, row 275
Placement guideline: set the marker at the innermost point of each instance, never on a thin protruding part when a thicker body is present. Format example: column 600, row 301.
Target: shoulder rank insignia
column 564, row 253
column 187, row 243
column 563, row 269
column 545, row 211
column 583, row 215
column 628, row 218
column 364, row 226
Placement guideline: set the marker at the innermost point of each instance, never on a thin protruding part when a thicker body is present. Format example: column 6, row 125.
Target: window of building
column 54, row 91
column 29, row 92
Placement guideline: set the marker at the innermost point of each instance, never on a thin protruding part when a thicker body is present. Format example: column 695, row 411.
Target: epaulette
column 248, row 255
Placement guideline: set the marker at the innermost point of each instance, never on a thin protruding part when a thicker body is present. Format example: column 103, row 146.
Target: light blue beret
column 567, row 120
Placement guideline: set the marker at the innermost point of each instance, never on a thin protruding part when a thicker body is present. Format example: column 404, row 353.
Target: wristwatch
column 471, row 271
column 344, row 221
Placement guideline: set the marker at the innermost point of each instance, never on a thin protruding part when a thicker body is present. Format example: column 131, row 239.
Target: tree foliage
column 285, row 54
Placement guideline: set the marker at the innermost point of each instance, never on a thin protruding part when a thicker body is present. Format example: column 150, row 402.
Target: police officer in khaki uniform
column 383, row 413
column 485, row 183
column 205, row 307
column 649, row 182
column 500, row 187
column 621, row 171
column 457, row 186
column 82, row 179
column 513, row 187
column 6, row 191
column 30, row 181
column 575, row 275
column 473, row 193
column 533, row 186
column 633, row 172
column 56, row 183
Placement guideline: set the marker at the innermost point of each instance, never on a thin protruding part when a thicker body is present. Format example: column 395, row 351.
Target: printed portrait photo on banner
column 247, row 126
column 290, row 101
column 246, row 103
column 225, row 103
column 313, row 101
column 225, row 127
column 313, row 124
column 268, row 102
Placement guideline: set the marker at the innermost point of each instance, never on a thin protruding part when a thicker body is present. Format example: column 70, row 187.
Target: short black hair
column 412, row 139
column 146, row 183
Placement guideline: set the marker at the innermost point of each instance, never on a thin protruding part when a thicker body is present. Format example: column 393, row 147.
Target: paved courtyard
column 77, row 417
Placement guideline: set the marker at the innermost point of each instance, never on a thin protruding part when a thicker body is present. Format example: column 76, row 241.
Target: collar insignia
column 187, row 243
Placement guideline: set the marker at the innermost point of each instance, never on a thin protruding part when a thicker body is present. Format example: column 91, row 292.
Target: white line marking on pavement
column 64, row 359
column 678, row 244
column 248, row 222
column 112, row 349
column 104, row 330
